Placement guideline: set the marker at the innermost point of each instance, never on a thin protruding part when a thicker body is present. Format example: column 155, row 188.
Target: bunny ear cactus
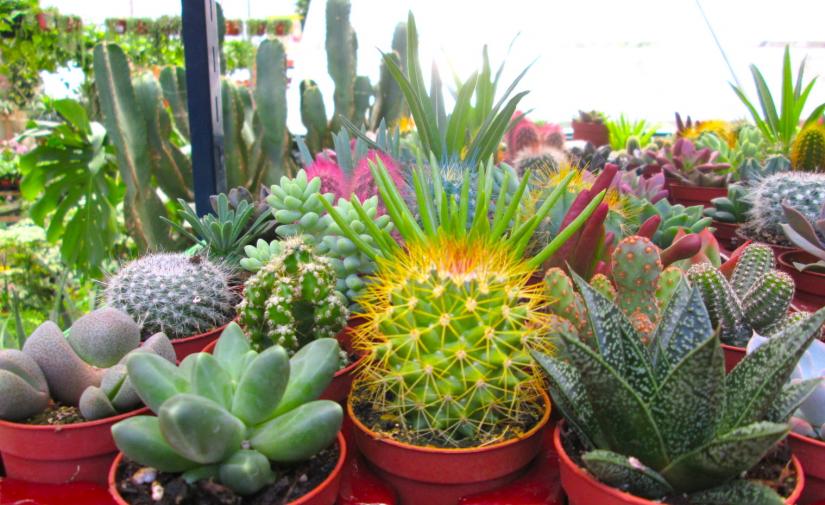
column 84, row 369
column 663, row 419
column 230, row 415
column 756, row 298
column 292, row 300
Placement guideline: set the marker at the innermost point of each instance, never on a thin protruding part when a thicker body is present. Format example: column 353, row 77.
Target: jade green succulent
column 84, row 368
column 296, row 205
column 663, row 419
column 293, row 299
column 232, row 415
column 732, row 208
column 756, row 299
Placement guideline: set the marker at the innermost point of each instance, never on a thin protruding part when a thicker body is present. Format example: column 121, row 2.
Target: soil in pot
column 56, row 414
column 775, row 470
column 140, row 486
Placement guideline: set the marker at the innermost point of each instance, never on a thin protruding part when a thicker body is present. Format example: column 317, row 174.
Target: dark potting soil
column 57, row 414
column 775, row 470
column 293, row 482
column 380, row 423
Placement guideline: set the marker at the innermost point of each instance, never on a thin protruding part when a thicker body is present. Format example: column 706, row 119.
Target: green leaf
column 625, row 419
column 626, row 474
column 738, row 492
column 200, row 429
column 754, row 384
column 261, row 386
column 140, row 439
column 231, row 348
column 210, row 380
column 311, row 370
column 300, row 433
column 246, row 472
column 684, row 324
column 791, row 397
column 723, row 458
column 155, row 379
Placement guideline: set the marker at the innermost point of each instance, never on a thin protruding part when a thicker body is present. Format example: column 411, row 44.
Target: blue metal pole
column 203, row 84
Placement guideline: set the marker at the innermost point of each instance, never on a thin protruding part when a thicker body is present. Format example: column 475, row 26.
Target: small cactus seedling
column 292, row 300
column 230, row 415
column 84, row 369
column 173, row 293
column 756, row 298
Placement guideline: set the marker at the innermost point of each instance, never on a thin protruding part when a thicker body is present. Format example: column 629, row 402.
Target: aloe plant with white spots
column 663, row 419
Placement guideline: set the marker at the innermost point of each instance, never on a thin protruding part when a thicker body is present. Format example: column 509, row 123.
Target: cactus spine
column 802, row 191
column 292, row 300
column 808, row 149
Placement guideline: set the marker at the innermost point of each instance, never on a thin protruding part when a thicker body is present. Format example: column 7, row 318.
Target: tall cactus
column 128, row 132
column 313, row 115
column 389, row 100
column 270, row 103
column 173, row 85
column 342, row 59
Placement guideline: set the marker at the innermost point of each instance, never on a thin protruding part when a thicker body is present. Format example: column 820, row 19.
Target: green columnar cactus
column 756, row 298
column 230, row 415
column 83, row 369
column 313, row 115
column 173, row 85
column 342, row 59
column 445, row 334
column 802, row 191
column 664, row 420
column 173, row 293
column 297, row 207
column 292, row 300
column 808, row 149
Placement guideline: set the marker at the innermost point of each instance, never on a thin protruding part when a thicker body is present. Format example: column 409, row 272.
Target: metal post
column 203, row 85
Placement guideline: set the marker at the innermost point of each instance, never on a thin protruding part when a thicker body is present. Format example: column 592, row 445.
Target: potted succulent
column 694, row 175
column 234, row 26
column 806, row 266
column 728, row 212
column 281, row 27
column 802, row 191
column 808, row 422
column 189, row 298
column 256, row 27
column 660, row 420
column 590, row 126
column 60, row 395
column 236, row 423
column 756, row 299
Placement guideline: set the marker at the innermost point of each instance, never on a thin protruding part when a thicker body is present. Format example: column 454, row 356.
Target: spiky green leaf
column 626, row 473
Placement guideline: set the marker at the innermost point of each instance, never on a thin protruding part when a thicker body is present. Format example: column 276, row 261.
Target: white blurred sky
column 646, row 58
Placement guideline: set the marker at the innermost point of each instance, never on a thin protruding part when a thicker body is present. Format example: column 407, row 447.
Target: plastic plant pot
column 733, row 355
column 811, row 454
column 810, row 286
column 693, row 195
column 725, row 233
column 196, row 343
column 595, row 133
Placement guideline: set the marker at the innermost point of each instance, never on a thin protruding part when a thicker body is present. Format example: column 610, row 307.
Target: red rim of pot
column 733, row 355
column 324, row 493
column 595, row 133
column 197, row 343
column 570, row 472
column 808, row 281
column 61, row 432
column 693, row 195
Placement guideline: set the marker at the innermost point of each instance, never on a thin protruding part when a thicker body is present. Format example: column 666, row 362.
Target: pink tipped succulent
column 651, row 188
column 332, row 177
column 691, row 166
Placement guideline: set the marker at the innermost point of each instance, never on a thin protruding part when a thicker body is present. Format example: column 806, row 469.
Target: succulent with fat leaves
column 663, row 419
column 296, row 205
column 84, row 368
column 756, row 298
column 232, row 414
column 225, row 233
column 292, row 300
column 691, row 166
column 173, row 293
column 673, row 218
column 802, row 191
column 732, row 208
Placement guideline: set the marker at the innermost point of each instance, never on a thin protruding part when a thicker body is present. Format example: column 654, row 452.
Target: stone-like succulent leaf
column 230, row 349
column 261, row 386
column 139, row 438
column 246, row 471
column 200, row 429
column 210, row 380
column 627, row 474
column 103, row 337
column 310, row 371
column 300, row 433
column 155, row 379
column 25, row 391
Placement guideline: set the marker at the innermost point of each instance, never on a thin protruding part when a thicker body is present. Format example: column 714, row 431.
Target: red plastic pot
column 196, row 343
column 810, row 286
column 583, row 489
column 811, row 453
column 79, row 452
column 325, row 494
column 733, row 355
column 693, row 195
column 725, row 233
column 595, row 133
column 436, row 476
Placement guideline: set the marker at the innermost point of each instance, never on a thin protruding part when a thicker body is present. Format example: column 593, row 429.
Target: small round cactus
column 173, row 293
column 808, row 149
column 292, row 300
column 803, row 191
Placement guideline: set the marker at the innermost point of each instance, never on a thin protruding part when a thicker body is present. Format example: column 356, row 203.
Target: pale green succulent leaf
column 200, row 429
column 246, row 472
column 300, row 433
column 230, row 348
column 311, row 370
column 155, row 379
column 753, row 385
column 737, row 492
column 261, row 386
column 688, row 405
column 723, row 458
column 626, row 473
column 140, row 439
column 211, row 381
column 204, row 472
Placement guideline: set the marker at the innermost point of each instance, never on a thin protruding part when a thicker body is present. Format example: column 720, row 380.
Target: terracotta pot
column 325, row 494
column 583, row 489
column 60, row 454
column 810, row 286
column 692, row 195
column 811, row 454
column 339, row 388
column 733, row 355
column 595, row 133
column 196, row 343
column 725, row 233
column 436, row 476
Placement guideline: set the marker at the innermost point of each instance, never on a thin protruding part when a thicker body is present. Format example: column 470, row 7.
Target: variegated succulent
column 663, row 419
